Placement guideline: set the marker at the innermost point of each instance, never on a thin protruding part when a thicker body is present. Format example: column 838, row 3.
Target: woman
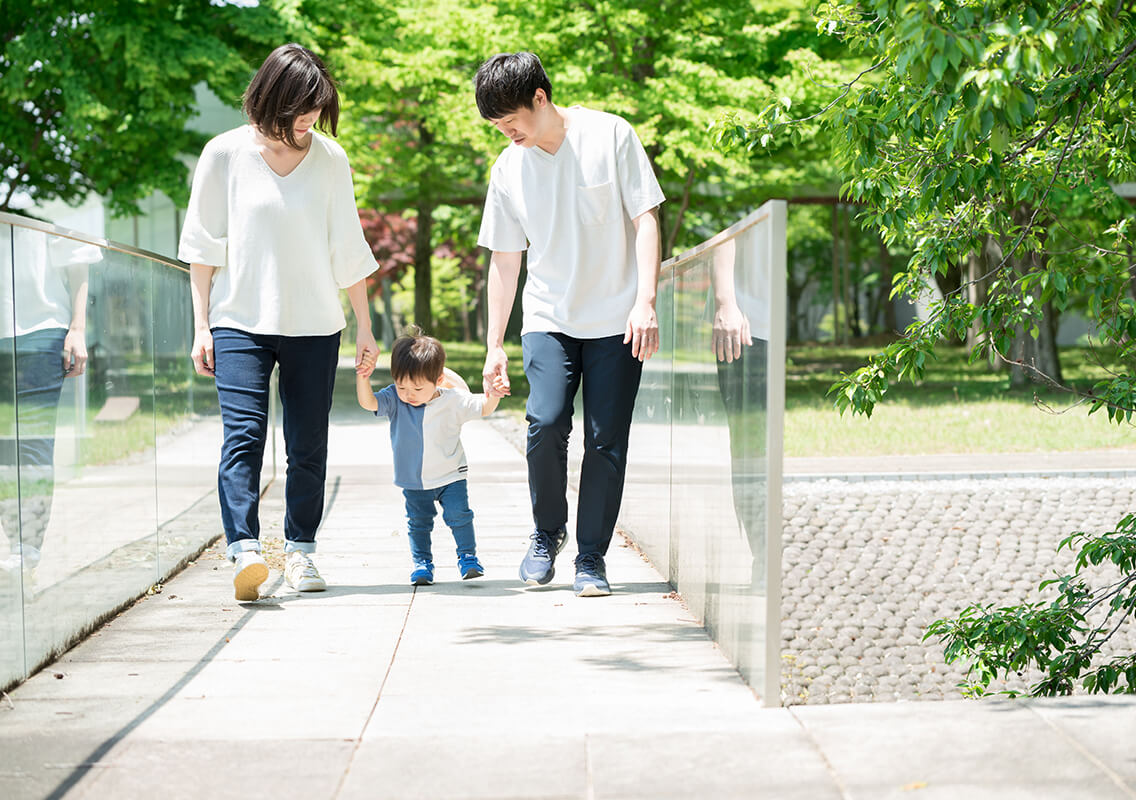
column 272, row 234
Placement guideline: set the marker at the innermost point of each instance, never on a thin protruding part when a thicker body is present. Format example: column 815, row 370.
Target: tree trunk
column 1040, row 362
column 837, row 328
column 886, row 277
column 422, row 278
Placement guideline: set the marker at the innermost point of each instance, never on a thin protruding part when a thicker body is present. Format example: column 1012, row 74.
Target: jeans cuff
column 241, row 546
column 303, row 547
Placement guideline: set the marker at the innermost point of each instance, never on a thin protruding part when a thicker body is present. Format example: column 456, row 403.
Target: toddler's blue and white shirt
column 427, row 439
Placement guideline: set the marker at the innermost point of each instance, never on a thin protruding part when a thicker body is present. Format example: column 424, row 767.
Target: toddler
column 427, row 405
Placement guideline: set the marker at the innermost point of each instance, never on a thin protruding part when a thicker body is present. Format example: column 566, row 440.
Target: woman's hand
column 202, row 353
column 74, row 354
column 365, row 349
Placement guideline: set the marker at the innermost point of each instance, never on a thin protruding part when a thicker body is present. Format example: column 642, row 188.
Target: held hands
column 365, row 361
column 364, row 344
column 499, row 388
column 202, row 353
column 730, row 333
column 494, row 376
column 74, row 354
column 642, row 330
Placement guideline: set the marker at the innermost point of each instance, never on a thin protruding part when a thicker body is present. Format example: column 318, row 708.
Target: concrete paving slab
column 190, row 770
column 1104, row 726
column 471, row 767
column 953, row 747
column 775, row 761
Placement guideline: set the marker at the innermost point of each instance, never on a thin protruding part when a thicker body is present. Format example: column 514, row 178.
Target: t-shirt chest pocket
column 596, row 205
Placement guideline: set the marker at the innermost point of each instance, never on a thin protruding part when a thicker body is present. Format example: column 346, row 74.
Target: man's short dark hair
column 508, row 82
column 416, row 356
column 291, row 82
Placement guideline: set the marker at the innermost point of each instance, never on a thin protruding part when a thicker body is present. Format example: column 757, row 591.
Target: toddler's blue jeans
column 421, row 508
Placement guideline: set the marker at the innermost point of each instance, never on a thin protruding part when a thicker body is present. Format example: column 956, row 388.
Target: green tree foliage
column 97, row 93
column 1067, row 638
column 988, row 134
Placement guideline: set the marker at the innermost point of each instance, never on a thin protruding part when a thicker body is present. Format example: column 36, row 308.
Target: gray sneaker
column 591, row 576
column 537, row 566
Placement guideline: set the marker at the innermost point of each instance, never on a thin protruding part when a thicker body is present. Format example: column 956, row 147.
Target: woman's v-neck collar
column 260, row 156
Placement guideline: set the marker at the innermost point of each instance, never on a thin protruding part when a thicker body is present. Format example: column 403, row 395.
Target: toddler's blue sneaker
column 470, row 567
column 423, row 574
column 537, row 566
column 591, row 576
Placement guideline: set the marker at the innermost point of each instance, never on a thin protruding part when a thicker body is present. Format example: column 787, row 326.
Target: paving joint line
column 1085, row 752
column 378, row 697
column 828, row 765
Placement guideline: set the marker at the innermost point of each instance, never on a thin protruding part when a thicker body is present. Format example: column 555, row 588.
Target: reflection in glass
column 716, row 387
column 11, row 561
column 85, row 437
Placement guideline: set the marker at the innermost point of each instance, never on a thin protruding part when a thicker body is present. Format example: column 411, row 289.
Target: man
column 575, row 188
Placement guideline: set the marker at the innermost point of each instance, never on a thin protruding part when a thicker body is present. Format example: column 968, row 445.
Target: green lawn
column 957, row 408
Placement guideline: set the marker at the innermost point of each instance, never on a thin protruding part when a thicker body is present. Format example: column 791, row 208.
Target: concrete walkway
column 482, row 689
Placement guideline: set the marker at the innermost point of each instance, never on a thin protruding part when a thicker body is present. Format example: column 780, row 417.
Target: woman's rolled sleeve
column 205, row 234
column 351, row 256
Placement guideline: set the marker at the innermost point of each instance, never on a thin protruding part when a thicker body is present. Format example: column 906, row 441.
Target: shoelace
column 542, row 546
column 306, row 567
column 588, row 563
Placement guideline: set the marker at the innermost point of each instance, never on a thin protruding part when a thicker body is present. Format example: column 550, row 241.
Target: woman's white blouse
column 284, row 246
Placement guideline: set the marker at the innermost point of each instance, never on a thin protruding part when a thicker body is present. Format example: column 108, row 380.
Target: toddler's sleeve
column 205, row 234
column 469, row 406
column 386, row 398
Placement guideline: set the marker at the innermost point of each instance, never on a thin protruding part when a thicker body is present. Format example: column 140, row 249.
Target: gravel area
column 868, row 564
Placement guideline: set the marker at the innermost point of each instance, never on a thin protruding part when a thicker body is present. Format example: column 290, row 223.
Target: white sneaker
column 302, row 574
column 251, row 573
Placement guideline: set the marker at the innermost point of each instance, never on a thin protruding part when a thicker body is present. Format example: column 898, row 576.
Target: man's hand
column 642, row 331
column 730, row 333
column 202, row 353
column 495, row 375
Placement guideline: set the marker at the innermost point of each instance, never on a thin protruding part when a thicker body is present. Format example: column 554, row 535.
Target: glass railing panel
column 646, row 508
column 187, row 428
column 720, row 544
column 86, row 441
column 11, row 554
column 701, row 518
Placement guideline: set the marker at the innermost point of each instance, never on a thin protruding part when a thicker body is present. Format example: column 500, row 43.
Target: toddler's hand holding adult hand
column 366, row 361
column 495, row 371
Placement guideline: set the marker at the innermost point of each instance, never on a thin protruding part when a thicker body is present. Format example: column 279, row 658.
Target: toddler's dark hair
column 417, row 356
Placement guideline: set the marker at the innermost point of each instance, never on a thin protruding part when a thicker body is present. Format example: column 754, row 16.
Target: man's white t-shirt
column 286, row 244
column 573, row 211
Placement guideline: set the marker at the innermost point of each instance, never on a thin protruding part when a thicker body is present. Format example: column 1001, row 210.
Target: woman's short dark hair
column 291, row 82
column 507, row 82
column 416, row 356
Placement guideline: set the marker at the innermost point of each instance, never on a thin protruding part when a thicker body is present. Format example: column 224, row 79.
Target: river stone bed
column 867, row 565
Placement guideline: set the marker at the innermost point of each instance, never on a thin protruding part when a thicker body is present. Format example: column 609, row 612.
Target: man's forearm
column 647, row 255
column 501, row 289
